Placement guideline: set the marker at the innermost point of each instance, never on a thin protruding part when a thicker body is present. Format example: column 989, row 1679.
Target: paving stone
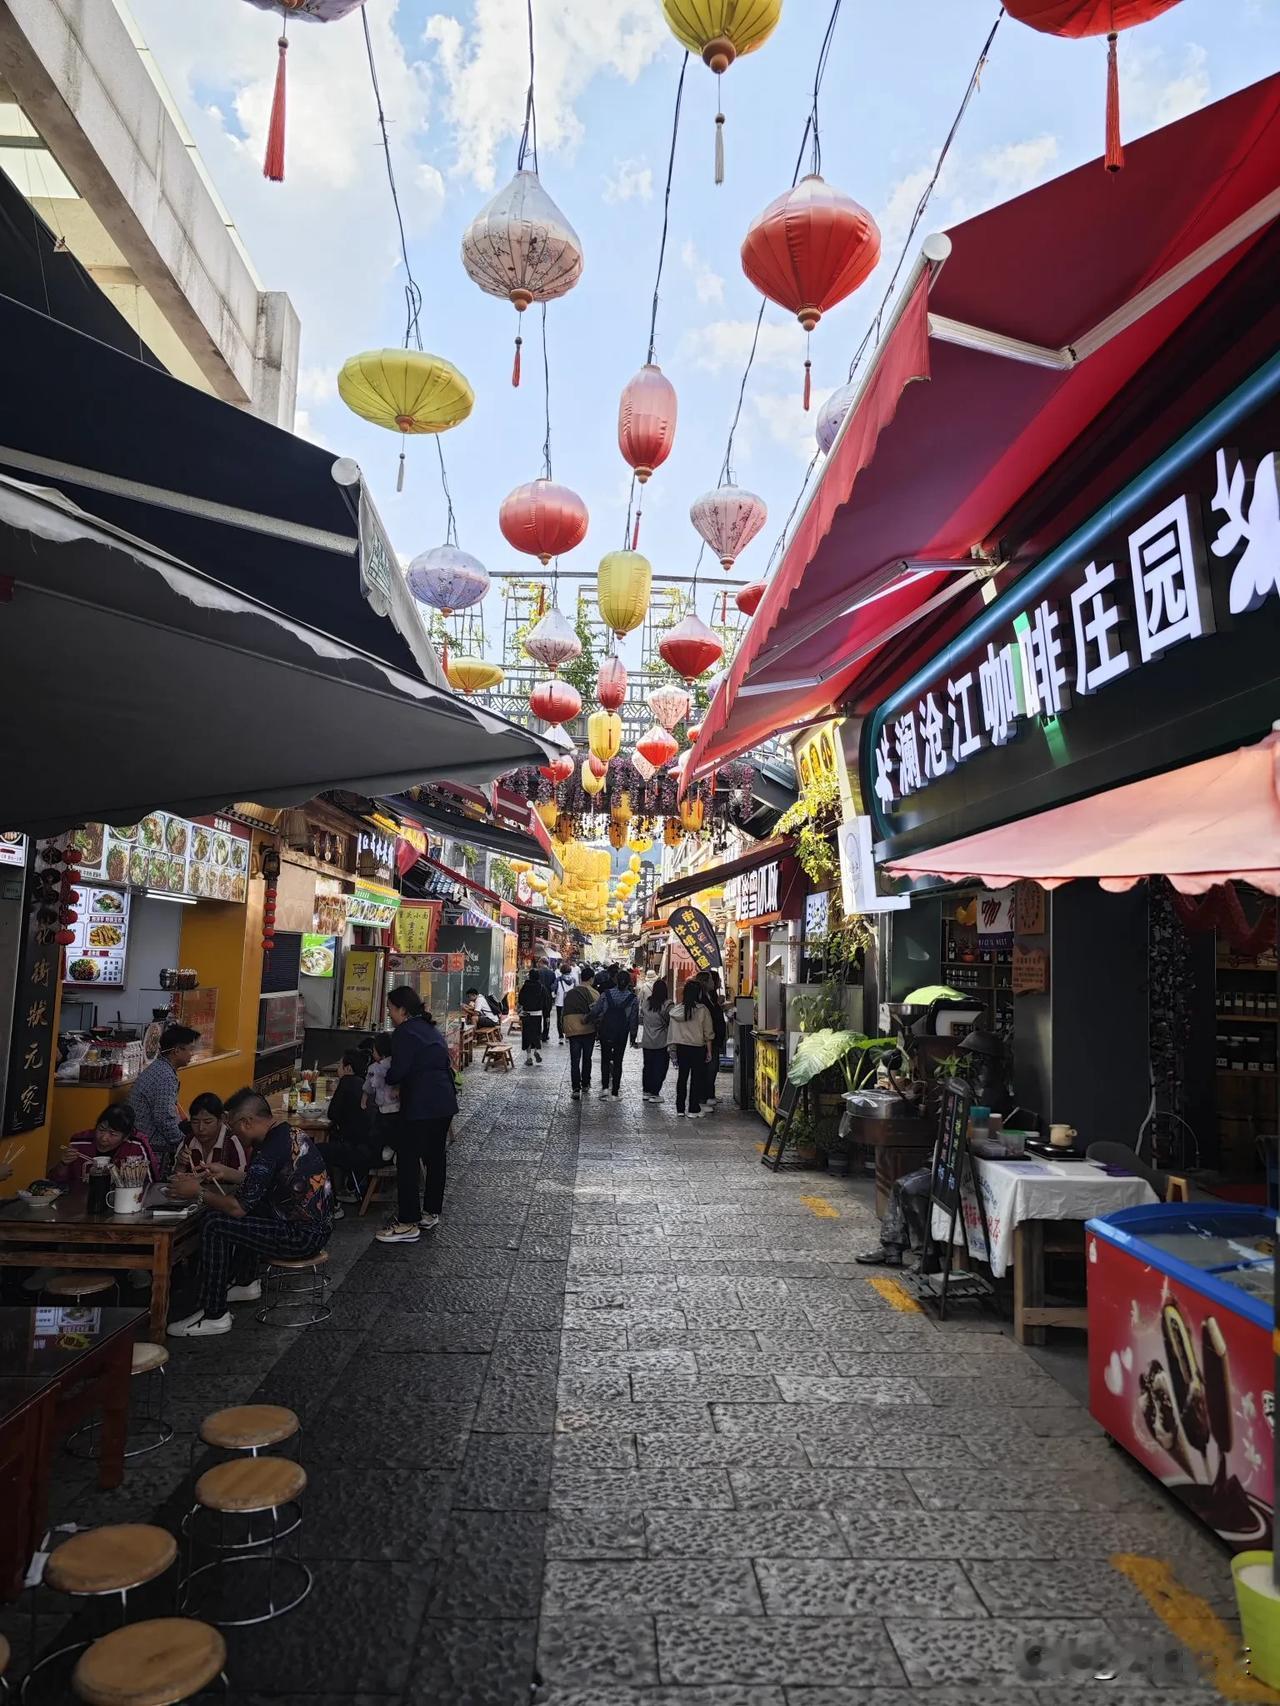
column 598, row 1449
column 483, row 1663
column 794, row 1650
column 733, row 1451
column 692, row 1338
column 714, row 1361
column 673, row 1489
column 597, row 1533
column 596, row 1651
column 630, row 1361
column 505, row 1472
column 837, row 1450
column 718, row 1696
column 989, row 1651
column 714, row 1587
column 948, row 1365
column 594, row 1386
column 819, row 1489
column 1022, row 1391
column 1028, row 1489
column 744, row 1534
column 866, row 1588
column 491, row 1565
column 645, row 1418
column 873, row 1389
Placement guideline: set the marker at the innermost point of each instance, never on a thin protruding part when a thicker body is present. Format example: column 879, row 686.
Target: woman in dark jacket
column 423, row 1073
column 535, row 1004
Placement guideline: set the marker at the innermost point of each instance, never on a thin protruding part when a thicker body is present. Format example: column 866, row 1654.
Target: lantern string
column 451, row 523
column 824, row 53
column 529, row 135
column 546, row 381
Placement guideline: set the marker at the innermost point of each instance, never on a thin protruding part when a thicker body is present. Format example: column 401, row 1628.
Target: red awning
column 459, row 877
column 1213, row 822
column 1045, row 309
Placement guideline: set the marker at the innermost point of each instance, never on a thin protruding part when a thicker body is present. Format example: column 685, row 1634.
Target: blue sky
column 453, row 82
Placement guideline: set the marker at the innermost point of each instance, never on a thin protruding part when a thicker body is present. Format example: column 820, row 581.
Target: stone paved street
column 632, row 1429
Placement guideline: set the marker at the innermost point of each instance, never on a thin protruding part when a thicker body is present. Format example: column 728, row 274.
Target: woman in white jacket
column 654, row 1039
column 690, row 1033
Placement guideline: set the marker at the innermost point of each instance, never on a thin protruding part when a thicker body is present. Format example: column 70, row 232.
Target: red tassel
column 1115, row 148
column 515, row 366
column 808, row 382
column 273, row 164
column 635, row 533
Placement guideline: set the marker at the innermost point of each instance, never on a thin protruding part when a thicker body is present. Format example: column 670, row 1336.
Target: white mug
column 125, row 1199
column 1062, row 1136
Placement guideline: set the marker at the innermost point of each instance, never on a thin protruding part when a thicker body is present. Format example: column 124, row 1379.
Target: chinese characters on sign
column 32, row 1044
column 757, row 893
column 692, row 929
column 1111, row 618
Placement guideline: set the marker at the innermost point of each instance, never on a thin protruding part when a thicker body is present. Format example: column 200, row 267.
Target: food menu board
column 97, row 955
column 208, row 858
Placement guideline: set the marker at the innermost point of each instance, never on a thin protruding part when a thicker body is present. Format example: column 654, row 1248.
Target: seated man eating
column 283, row 1208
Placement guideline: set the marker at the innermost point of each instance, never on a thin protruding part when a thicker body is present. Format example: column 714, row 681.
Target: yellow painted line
column 1193, row 1621
column 821, row 1207
column 759, row 1148
column 896, row 1295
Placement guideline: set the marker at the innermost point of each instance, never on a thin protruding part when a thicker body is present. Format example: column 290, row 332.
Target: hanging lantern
column 591, row 783
column 670, row 705
column 808, row 250
column 623, row 582
column 520, row 866
column 657, row 746
column 559, row 770
column 642, row 767
column 728, row 519
column 543, row 519
column 691, row 814
column 1076, row 18
column 447, row 578
column 640, row 843
column 565, row 830
column 672, row 833
column 621, row 809
column 721, row 31
column 617, row 833
column 599, row 767
column 522, row 247
column 405, row 391
column 552, row 641
column 548, row 811
column 693, row 731
column 634, row 864
column 690, row 647
column 538, row 884
column 747, row 598
column 611, row 683
column 555, row 701
column 472, row 675
column 647, row 421
column 831, row 416
column 604, row 734
column 318, row 12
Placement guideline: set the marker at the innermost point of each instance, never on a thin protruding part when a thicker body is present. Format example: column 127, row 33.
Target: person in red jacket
column 115, row 1135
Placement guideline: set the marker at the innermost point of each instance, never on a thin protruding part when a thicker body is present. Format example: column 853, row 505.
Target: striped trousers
column 231, row 1250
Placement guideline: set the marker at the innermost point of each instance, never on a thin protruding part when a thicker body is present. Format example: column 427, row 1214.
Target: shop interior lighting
column 177, row 899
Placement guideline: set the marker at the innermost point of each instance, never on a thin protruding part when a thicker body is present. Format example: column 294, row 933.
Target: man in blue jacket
column 617, row 1017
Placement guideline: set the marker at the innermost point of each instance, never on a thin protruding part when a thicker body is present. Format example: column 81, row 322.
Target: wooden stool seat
column 157, row 1663
column 250, row 1484
column 78, row 1285
column 110, row 1560
column 377, row 1176
column 299, row 1264
column 148, row 1357
column 249, row 1427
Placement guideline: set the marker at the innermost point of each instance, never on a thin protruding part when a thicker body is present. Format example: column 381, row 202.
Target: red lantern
column 543, row 519
column 693, row 730
column 810, row 249
column 647, row 420
column 597, row 766
column 690, row 648
column 65, row 937
column 656, row 745
column 748, row 598
column 559, row 770
column 555, row 701
column 1076, row 18
column 611, row 683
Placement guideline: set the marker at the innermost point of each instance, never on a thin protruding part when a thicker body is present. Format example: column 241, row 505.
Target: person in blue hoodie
column 617, row 1017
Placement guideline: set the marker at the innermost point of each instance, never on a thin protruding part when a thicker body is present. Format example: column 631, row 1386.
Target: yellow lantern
column 472, row 675
column 622, row 809
column 564, row 829
column 633, row 864
column 622, row 589
column 641, row 844
column 672, row 833
column 691, row 814
column 719, row 31
column 537, row 884
column 405, row 391
column 617, row 834
column 591, row 784
column 604, row 735
column 548, row 811
column 520, row 866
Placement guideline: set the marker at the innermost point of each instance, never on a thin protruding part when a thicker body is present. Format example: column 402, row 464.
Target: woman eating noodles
column 115, row 1136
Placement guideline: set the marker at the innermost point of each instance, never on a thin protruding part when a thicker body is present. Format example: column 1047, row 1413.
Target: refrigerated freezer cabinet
column 1181, row 1322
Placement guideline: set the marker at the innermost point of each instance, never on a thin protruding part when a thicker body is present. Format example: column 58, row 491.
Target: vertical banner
column 34, row 1010
column 694, row 932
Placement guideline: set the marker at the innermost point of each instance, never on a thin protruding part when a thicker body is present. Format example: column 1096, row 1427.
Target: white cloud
column 1154, row 93
column 726, row 344
column 707, row 284
column 780, row 418
column 484, row 71
column 631, row 180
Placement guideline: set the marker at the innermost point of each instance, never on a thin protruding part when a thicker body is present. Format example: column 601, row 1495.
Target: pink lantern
column 691, row 647
column 552, row 641
column 543, row 519
column 748, row 598
column 831, row 415
column 560, row 769
column 728, row 519
column 670, row 705
column 642, row 767
column 657, row 746
column 555, row 701
column 611, row 683
column 647, row 420
column 597, row 766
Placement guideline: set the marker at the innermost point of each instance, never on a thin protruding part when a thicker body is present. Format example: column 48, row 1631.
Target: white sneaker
column 398, row 1233
column 184, row 1325
column 245, row 1293
column 680, row 1114
column 388, row 1154
column 648, row 1098
column 698, row 1116
column 429, row 1222
column 603, row 1092
column 202, row 1326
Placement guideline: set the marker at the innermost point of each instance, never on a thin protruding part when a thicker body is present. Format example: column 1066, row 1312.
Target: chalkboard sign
column 788, row 1101
column 951, row 1151
column 282, row 965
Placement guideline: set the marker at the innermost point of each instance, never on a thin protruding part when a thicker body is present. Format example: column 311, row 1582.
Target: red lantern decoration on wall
column 647, row 420
column 808, row 250
column 611, row 683
column 657, row 746
column 747, row 598
column 543, row 519
column 690, row 648
column 1077, row 18
column 559, row 770
column 555, row 701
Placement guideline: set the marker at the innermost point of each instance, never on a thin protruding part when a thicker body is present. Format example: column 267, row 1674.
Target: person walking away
column 654, row 1015
column 566, row 979
column 711, row 984
column 580, row 1028
column 534, row 1007
column 382, row 1100
column 691, row 1036
column 423, row 1073
column 617, row 1017
column 283, row 1208
column 155, row 1095
column 547, row 978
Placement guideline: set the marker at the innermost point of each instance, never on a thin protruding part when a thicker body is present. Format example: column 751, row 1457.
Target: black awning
column 510, row 843
column 763, row 853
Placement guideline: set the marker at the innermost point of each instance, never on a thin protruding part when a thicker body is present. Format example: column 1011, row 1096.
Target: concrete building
column 92, row 138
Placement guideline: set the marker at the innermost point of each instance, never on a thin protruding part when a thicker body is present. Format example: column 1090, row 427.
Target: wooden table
column 64, row 1235
column 57, row 1366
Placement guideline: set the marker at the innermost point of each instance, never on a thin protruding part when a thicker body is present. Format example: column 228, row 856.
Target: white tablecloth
column 1037, row 1189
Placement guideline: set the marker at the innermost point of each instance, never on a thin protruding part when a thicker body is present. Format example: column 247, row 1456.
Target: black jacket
column 422, row 1072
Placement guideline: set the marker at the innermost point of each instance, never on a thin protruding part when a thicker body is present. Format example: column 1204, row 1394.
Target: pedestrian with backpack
column 617, row 1017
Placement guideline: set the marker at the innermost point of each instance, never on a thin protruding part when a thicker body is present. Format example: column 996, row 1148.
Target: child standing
column 382, row 1100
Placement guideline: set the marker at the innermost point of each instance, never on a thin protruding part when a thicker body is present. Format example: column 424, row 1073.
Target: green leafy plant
column 502, row 879
column 857, row 1056
column 819, row 1012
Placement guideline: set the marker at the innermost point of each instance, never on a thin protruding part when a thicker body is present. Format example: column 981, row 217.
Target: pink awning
column 1213, row 822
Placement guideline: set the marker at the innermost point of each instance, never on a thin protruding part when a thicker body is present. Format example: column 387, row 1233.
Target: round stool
column 244, row 1489
column 297, row 1288
column 78, row 1286
column 249, row 1427
column 157, row 1663
column 150, row 1420
column 99, row 1564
